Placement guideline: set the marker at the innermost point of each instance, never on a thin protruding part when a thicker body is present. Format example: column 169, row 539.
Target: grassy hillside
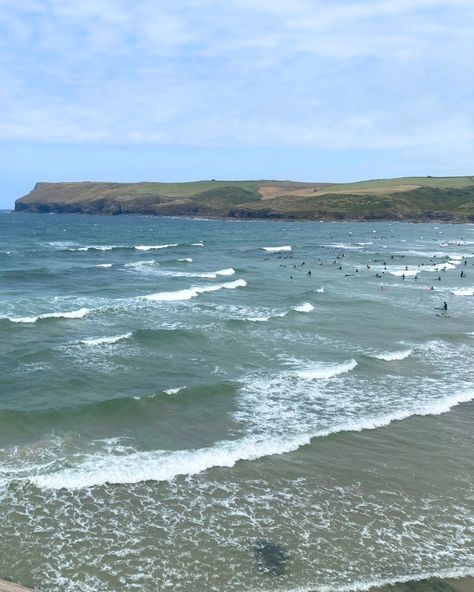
column 407, row 198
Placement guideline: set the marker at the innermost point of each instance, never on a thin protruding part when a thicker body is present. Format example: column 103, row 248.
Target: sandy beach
column 432, row 585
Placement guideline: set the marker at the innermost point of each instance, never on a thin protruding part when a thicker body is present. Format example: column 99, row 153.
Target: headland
column 409, row 199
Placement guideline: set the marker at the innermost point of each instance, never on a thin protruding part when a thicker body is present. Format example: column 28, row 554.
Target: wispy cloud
column 373, row 74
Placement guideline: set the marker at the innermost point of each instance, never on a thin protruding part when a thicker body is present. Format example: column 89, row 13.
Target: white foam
column 161, row 465
column 263, row 318
column 320, row 290
column 174, row 391
column 350, row 247
column 199, row 244
column 186, row 260
column 141, row 264
column 369, row 584
column 392, row 356
column 194, row 291
column 305, row 307
column 458, row 243
column 260, row 319
column 104, row 265
column 95, row 341
column 74, row 314
column 284, row 249
column 95, row 248
column 154, row 247
column 401, row 272
column 210, row 274
column 463, row 292
column 228, row 271
column 326, row 371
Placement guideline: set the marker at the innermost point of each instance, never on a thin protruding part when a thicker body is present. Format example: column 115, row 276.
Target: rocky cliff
column 411, row 199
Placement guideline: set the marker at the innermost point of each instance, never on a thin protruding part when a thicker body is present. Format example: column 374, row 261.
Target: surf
column 165, row 465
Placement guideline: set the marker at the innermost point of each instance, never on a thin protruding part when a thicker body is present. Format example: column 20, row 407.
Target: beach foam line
column 95, row 341
column 305, row 307
column 194, row 291
column 284, row 249
column 161, row 465
column 392, row 356
column 366, row 585
column 74, row 314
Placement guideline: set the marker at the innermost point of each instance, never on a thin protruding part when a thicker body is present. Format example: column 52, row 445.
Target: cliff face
column 410, row 199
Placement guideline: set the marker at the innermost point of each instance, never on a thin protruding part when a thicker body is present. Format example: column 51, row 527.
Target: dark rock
column 271, row 558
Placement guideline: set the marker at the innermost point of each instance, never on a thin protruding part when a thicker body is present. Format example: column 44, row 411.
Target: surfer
column 445, row 305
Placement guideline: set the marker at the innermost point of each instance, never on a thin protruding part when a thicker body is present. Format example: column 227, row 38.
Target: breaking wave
column 326, row 371
column 161, row 465
column 74, row 314
column 463, row 292
column 154, row 247
column 189, row 293
column 96, row 341
column 285, row 249
column 305, row 307
column 392, row 356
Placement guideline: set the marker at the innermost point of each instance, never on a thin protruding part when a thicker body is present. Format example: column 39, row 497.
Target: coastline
column 222, row 218
column 417, row 199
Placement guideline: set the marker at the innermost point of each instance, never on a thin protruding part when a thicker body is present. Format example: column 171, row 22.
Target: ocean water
column 184, row 407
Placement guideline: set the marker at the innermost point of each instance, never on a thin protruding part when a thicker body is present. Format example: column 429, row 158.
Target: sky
column 167, row 90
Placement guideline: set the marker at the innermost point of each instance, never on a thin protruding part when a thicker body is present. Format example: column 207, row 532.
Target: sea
column 196, row 405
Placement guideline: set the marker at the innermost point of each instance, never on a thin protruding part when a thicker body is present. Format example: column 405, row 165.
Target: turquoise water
column 174, row 391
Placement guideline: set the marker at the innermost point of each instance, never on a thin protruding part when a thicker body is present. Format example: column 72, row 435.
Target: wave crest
column 160, row 465
column 189, row 293
column 74, row 314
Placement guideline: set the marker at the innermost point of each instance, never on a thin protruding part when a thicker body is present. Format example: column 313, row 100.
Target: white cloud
column 379, row 74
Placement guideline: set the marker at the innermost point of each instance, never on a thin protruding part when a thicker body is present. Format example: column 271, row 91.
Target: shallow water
column 174, row 392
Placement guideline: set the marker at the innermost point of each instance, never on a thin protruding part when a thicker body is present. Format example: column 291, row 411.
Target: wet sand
column 11, row 587
column 432, row 585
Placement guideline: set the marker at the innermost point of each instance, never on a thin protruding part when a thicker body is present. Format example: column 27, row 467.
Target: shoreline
column 461, row 584
column 250, row 219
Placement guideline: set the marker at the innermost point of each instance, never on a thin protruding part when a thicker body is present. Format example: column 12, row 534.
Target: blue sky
column 190, row 89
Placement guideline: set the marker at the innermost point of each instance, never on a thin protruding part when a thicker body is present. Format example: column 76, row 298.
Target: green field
column 406, row 198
